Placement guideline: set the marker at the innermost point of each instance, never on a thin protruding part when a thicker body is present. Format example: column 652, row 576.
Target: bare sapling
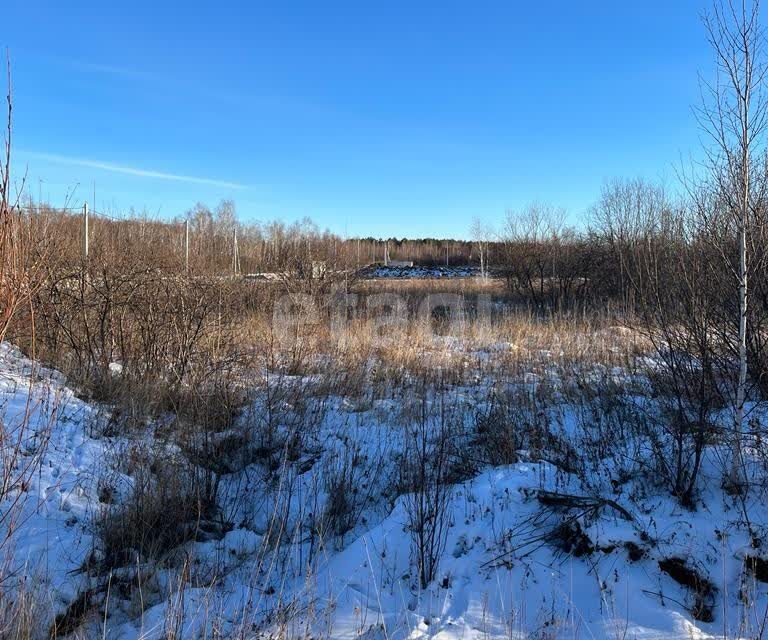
column 734, row 115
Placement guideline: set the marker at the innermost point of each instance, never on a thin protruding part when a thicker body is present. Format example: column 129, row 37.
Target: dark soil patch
column 570, row 537
column 634, row 551
column 70, row 620
column 703, row 591
column 758, row 567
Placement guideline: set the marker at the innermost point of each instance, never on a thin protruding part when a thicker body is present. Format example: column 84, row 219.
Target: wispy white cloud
column 92, row 67
column 132, row 171
column 108, row 69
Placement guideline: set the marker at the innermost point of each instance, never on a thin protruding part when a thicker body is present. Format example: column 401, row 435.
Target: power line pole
column 235, row 258
column 186, row 246
column 85, row 230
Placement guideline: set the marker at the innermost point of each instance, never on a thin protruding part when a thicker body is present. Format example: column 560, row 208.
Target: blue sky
column 383, row 118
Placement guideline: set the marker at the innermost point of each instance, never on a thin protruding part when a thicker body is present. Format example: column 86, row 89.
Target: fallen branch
column 585, row 503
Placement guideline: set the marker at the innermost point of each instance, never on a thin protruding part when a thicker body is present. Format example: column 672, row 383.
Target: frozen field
column 316, row 535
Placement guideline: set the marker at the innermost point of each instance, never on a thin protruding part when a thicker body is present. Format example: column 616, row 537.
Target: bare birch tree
column 734, row 115
column 482, row 234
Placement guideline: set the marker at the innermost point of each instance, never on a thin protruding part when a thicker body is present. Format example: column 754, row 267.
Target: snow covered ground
column 51, row 467
column 530, row 550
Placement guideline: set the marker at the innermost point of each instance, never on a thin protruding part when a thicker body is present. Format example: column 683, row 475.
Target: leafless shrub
column 498, row 434
column 168, row 506
column 22, row 442
column 134, row 338
column 346, row 490
column 425, row 479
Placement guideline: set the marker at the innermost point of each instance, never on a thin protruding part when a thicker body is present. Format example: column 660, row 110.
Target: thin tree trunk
column 738, row 474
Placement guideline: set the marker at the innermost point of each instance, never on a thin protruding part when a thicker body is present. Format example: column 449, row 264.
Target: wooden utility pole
column 235, row 256
column 186, row 246
column 85, row 230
